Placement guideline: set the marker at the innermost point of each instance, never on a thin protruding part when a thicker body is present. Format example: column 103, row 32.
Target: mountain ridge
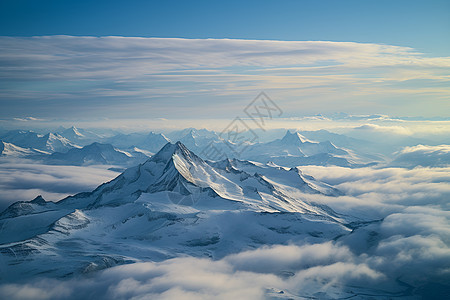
column 175, row 203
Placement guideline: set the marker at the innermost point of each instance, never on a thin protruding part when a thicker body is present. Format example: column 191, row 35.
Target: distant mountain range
column 96, row 154
column 74, row 146
column 50, row 142
column 11, row 150
column 151, row 142
column 80, row 136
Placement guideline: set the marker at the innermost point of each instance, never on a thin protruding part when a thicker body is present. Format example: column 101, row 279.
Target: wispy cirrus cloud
column 120, row 74
column 27, row 119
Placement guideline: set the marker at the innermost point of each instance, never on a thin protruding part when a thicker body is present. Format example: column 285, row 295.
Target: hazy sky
column 209, row 59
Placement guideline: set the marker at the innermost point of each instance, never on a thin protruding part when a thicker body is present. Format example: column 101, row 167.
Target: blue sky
column 423, row 25
column 385, row 57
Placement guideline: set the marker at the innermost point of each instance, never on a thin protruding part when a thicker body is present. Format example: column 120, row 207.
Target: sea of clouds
column 24, row 179
column 404, row 253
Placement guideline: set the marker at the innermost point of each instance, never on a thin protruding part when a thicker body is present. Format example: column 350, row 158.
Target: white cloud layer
column 423, row 155
column 23, row 180
column 385, row 190
column 374, row 128
column 322, row 270
column 121, row 74
column 405, row 254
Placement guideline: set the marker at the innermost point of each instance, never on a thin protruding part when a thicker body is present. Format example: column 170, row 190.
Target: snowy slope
column 174, row 203
column 152, row 142
column 295, row 144
column 28, row 139
column 198, row 140
column 176, row 169
column 291, row 150
column 80, row 136
column 95, row 154
column 294, row 150
column 363, row 149
column 197, row 134
column 11, row 150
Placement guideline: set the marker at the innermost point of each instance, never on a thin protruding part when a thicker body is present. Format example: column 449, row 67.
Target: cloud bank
column 385, row 190
column 23, row 180
column 321, row 270
column 423, row 155
column 130, row 77
column 405, row 254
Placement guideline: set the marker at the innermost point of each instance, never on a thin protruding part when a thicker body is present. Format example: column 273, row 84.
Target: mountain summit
column 294, row 138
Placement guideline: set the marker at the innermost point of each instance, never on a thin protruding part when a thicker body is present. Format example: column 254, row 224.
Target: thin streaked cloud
column 50, row 74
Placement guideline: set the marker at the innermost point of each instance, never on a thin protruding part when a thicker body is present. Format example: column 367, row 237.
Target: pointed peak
column 156, row 137
column 52, row 135
column 38, row 200
column 99, row 146
column 181, row 148
column 191, row 134
column 294, row 137
column 75, row 130
column 289, row 133
column 166, row 152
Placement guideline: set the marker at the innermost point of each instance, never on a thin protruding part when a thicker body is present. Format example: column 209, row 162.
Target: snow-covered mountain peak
column 157, row 136
column 169, row 150
column 39, row 200
column 73, row 131
column 294, row 138
column 177, row 175
column 175, row 186
column 103, row 148
column 177, row 172
column 151, row 141
column 97, row 145
column 96, row 153
column 180, row 164
column 9, row 149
